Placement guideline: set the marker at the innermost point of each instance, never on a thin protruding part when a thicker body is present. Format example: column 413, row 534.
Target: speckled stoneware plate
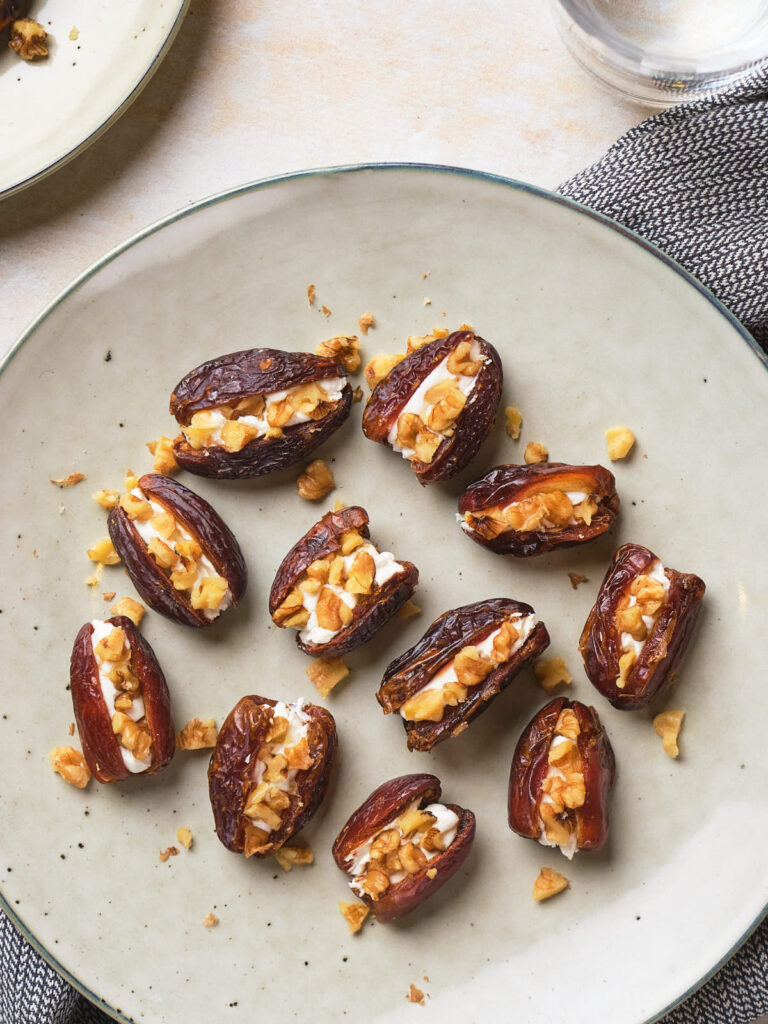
column 594, row 329
column 101, row 56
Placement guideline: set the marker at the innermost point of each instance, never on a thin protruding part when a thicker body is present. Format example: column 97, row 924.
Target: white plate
column 54, row 108
column 594, row 329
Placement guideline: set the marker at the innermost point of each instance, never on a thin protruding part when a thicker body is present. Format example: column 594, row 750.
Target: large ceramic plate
column 52, row 109
column 594, row 329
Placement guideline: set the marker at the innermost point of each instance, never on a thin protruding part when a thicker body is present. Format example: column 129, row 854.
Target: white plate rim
column 97, row 132
column 313, row 173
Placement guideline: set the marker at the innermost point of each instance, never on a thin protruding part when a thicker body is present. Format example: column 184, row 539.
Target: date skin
column 453, row 630
column 11, row 10
column 504, row 485
column 101, row 747
column 371, row 612
column 530, row 767
column 230, row 773
column 203, row 523
column 239, row 375
column 383, row 806
column 600, row 642
column 473, row 424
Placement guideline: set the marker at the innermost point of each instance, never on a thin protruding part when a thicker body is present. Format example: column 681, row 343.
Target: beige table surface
column 253, row 88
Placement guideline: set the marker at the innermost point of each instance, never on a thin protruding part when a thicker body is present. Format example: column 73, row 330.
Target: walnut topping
column 292, row 611
column 69, row 481
column 164, row 459
column 184, row 836
column 449, row 400
column 366, row 321
column 431, row 872
column 552, row 673
column 287, row 856
column 514, row 420
column 380, row 366
column 535, row 452
column 197, row 734
column 471, row 667
column 576, row 579
column 326, row 673
column 563, row 789
column 133, row 610
column 354, row 914
column 208, row 592
column 626, row 661
column 134, row 736
column 315, row 482
column 103, row 552
column 414, row 434
column 210, row 920
column 549, row 883
column 344, row 349
column 619, row 442
column 460, row 361
column 107, row 499
column 71, row 766
column 415, row 995
column 113, row 646
column 169, row 851
column 668, row 725
column 29, row 39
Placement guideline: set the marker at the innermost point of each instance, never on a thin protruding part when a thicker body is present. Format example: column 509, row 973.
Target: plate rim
column 311, row 174
column 98, row 131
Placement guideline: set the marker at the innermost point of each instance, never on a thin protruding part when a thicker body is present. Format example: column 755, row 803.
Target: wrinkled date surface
column 561, row 778
column 463, row 661
column 255, row 412
column 639, row 627
column 336, row 588
column 121, row 701
column 437, row 405
column 527, row 510
column 11, row 10
column 402, row 845
column 269, row 772
column 181, row 556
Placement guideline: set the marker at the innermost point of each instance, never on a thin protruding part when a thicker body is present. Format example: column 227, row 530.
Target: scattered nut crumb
column 514, row 420
column 344, row 349
column 184, row 836
column 425, row 275
column 535, row 452
column 431, row 872
column 74, row 33
column 103, row 552
column 71, row 729
column 210, row 920
column 164, row 461
column 427, row 302
column 91, row 581
column 415, row 995
column 365, row 322
column 287, row 856
column 29, row 39
column 131, row 480
column 197, row 734
column 69, row 481
column 549, row 883
column 132, row 610
column 315, row 482
column 169, row 851
column 668, row 725
column 107, row 499
column 409, row 610
column 325, row 311
column 326, row 673
column 311, row 294
column 355, row 914
column 618, row 441
column 71, row 766
column 108, row 595
column 576, row 578
column 357, row 394
column 551, row 673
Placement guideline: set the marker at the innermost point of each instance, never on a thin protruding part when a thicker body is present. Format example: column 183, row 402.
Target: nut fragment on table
column 210, row 920
column 552, row 673
column 619, row 442
column 576, row 579
column 71, row 766
column 288, row 856
column 354, row 915
column 415, row 995
column 365, row 322
column 315, row 482
column 535, row 452
column 107, row 499
column 668, row 725
column 326, row 673
column 69, row 481
column 103, row 552
column 184, row 836
column 513, row 421
column 169, row 851
column 549, row 883
column 29, row 39
column 197, row 734
column 343, row 349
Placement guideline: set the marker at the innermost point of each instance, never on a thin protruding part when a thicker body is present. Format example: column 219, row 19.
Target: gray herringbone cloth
column 693, row 180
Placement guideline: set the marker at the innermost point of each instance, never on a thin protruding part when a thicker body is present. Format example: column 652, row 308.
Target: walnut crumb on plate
column 576, row 579
column 69, row 481
column 326, row 673
column 197, row 734
column 354, row 914
column 415, row 995
column 549, row 883
column 365, row 322
column 668, row 725
column 535, row 452
column 71, row 766
column 315, row 482
column 210, row 920
column 184, row 836
column 551, row 673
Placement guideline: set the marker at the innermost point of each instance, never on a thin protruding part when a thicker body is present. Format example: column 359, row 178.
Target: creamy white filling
column 109, row 692
column 569, row 848
column 524, row 625
column 386, row 568
column 205, row 567
column 418, row 403
column 447, row 824
column 298, row 728
column 332, row 387
column 628, row 642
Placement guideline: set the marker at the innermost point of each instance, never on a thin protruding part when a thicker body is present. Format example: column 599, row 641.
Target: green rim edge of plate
column 256, row 186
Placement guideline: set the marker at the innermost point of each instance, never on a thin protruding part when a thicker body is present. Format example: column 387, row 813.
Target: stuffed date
column 254, row 412
column 562, row 774
column 639, row 627
column 527, row 510
column 403, row 844
column 121, row 701
column 269, row 772
column 336, row 587
column 464, row 660
column 11, row 10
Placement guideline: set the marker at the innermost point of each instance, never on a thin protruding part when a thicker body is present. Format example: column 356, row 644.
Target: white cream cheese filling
column 628, row 642
column 569, row 848
column 298, row 728
column 109, row 692
column 205, row 567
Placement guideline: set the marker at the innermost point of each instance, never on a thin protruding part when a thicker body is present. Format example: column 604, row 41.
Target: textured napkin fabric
column 694, row 181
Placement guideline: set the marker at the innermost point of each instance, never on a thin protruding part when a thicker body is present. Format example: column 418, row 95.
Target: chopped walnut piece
column 471, row 667
column 514, row 420
column 287, row 856
column 326, row 673
column 197, row 734
column 619, row 442
column 29, row 39
column 415, row 995
column 379, row 367
column 92, row 581
column 668, row 725
column 551, row 673
column 535, row 452
column 69, row 481
column 162, row 449
column 344, row 349
column 71, row 766
column 325, row 311
column 315, row 482
column 366, row 321
column 103, row 552
column 210, row 920
column 409, row 610
column 208, row 592
column 311, row 294
column 576, row 579
column 184, row 836
column 107, row 499
column 354, row 914
column 71, row 729
column 132, row 610
column 169, row 851
column 431, row 872
column 108, row 595
column 74, row 33
column 549, row 883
